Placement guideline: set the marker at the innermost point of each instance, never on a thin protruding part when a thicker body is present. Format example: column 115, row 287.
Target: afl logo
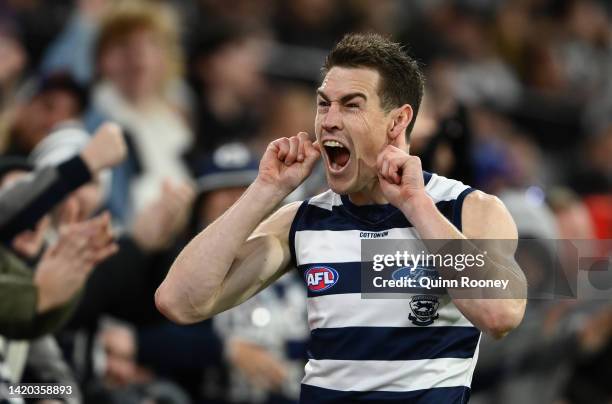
column 320, row 278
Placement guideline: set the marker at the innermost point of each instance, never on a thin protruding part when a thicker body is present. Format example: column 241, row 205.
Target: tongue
column 341, row 157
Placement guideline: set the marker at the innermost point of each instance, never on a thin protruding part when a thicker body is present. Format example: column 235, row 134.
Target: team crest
column 424, row 308
column 320, row 278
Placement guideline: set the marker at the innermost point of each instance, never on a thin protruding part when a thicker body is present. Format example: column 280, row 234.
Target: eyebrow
column 344, row 98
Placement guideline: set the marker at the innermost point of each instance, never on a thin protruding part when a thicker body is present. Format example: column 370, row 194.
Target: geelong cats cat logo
column 424, row 308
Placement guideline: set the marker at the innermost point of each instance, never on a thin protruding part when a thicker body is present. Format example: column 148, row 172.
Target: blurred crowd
column 518, row 103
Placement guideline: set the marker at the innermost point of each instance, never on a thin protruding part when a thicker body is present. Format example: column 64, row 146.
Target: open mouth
column 338, row 155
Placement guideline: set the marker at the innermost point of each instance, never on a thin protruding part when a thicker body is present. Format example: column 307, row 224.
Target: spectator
column 30, row 199
column 120, row 380
column 518, row 101
column 28, row 243
column 55, row 99
column 138, row 60
column 228, row 63
column 37, row 303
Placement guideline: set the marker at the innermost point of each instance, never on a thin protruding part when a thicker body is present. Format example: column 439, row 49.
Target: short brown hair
column 401, row 79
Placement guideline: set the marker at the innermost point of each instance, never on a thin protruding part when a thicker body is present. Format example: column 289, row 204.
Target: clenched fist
column 287, row 162
column 401, row 177
column 157, row 225
column 106, row 148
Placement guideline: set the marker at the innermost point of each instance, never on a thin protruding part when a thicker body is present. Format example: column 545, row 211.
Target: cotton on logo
column 320, row 278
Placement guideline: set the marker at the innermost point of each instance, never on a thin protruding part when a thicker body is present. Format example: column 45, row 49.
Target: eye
column 352, row 105
column 323, row 103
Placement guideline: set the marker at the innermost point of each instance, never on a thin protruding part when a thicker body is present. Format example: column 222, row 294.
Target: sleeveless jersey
column 372, row 350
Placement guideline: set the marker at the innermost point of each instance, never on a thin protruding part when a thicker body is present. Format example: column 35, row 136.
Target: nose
column 332, row 120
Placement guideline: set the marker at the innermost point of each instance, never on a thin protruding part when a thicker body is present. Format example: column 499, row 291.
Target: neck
column 370, row 195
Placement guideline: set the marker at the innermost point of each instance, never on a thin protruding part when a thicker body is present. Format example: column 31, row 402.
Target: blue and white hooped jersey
column 372, row 350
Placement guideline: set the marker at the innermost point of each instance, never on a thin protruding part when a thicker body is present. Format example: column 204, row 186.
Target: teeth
column 332, row 143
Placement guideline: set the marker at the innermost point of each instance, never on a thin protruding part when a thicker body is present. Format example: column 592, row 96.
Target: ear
column 402, row 117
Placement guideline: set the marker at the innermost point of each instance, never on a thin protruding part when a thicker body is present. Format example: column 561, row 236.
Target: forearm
column 20, row 317
column 200, row 269
column 23, row 204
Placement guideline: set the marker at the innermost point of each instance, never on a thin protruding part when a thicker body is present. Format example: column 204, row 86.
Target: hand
column 287, row 162
column 401, row 178
column 260, row 367
column 106, row 149
column 12, row 59
column 596, row 331
column 158, row 224
column 66, row 265
column 28, row 243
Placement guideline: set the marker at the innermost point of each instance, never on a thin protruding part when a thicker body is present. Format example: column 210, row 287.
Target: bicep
column 489, row 225
column 264, row 257
column 485, row 217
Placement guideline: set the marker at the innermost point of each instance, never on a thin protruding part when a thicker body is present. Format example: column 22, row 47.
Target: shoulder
column 441, row 189
column 279, row 223
column 486, row 216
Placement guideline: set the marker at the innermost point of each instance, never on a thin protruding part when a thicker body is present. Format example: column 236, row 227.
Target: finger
column 379, row 159
column 94, row 236
column 301, row 153
column 390, row 172
column 397, row 177
column 269, row 373
column 180, row 204
column 102, row 239
column 304, row 138
column 108, row 127
column 384, row 170
column 98, row 228
column 277, row 373
column 312, row 155
column 74, row 246
column 167, row 185
column 186, row 194
column 383, row 181
column 283, row 148
column 62, row 239
column 294, row 143
column 393, row 149
column 412, row 169
column 105, row 252
column 70, row 211
column 317, row 146
column 393, row 173
column 68, row 239
column 49, row 252
column 93, row 257
column 311, row 149
column 96, row 223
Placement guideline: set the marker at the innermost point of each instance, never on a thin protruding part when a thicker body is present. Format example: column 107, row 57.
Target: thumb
column 313, row 152
column 70, row 211
column 167, row 185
